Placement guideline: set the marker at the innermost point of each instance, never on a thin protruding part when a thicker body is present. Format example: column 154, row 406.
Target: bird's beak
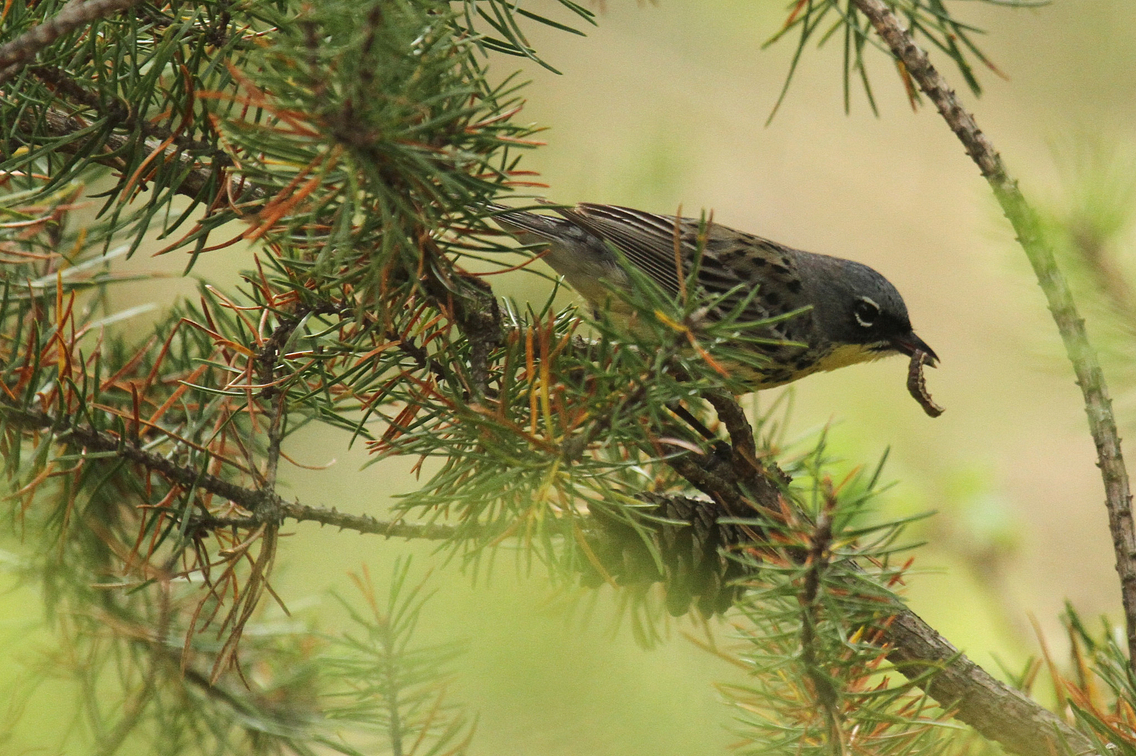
column 909, row 343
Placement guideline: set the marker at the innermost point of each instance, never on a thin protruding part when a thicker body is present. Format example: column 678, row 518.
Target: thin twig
column 1098, row 405
column 119, row 113
column 267, row 509
column 816, row 564
column 198, row 176
column 17, row 53
column 191, row 477
column 267, row 358
column 362, row 524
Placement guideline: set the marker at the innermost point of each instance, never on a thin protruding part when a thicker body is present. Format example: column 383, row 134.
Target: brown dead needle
column 917, row 384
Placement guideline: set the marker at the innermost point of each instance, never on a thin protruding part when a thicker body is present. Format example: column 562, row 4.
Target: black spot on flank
column 802, row 363
column 785, row 261
column 772, row 298
column 758, row 261
column 794, row 286
column 780, row 271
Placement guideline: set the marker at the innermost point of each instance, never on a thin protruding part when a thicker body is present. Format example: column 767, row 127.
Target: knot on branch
column 678, row 542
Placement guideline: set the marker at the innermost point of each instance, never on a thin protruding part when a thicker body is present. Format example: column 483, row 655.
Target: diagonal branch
column 199, row 177
column 994, row 709
column 1098, row 405
column 119, row 114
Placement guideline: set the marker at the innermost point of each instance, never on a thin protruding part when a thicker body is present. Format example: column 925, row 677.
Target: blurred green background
column 665, row 105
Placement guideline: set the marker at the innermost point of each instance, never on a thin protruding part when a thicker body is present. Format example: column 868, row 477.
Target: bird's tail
column 522, row 222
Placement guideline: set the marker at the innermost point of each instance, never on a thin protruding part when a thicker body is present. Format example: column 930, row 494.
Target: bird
column 824, row 312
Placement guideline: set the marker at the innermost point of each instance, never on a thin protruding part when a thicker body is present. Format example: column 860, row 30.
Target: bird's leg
column 721, row 447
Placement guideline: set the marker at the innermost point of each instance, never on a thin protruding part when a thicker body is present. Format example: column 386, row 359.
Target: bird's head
column 858, row 311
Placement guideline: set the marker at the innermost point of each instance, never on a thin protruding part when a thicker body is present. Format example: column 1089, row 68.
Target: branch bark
column 991, row 707
column 1098, row 405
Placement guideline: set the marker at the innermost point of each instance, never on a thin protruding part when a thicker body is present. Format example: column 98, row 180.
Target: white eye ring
column 866, row 312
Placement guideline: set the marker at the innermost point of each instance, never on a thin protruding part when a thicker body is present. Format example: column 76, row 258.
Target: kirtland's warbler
column 847, row 312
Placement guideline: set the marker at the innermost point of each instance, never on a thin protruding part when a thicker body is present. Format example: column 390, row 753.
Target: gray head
column 855, row 305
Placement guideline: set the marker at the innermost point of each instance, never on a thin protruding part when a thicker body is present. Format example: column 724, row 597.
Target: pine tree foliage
column 348, row 154
column 822, row 682
column 928, row 21
column 1099, row 687
column 381, row 680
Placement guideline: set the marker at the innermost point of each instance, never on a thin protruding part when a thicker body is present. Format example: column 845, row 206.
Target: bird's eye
column 866, row 312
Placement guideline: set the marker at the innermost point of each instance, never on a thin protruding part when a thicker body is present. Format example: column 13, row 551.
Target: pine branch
column 1098, row 405
column 119, row 113
column 187, row 477
column 362, row 524
column 199, row 177
column 729, row 475
column 16, row 54
column 994, row 709
column 817, row 563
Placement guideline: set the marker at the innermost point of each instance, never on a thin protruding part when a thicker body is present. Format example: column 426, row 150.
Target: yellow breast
column 847, row 354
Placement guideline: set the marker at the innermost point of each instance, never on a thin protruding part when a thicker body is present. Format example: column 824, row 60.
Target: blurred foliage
column 367, row 688
column 1091, row 224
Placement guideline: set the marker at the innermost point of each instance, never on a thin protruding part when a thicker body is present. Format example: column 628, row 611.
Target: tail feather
column 520, row 222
